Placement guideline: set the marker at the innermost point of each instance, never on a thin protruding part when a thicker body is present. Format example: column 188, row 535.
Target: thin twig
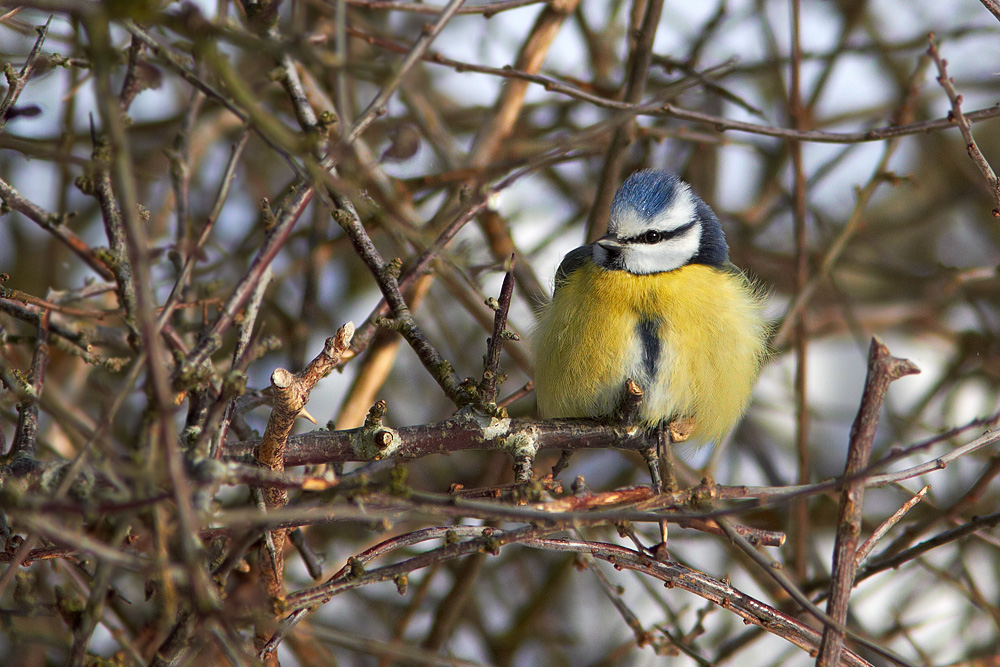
column 277, row 236
column 490, row 540
column 883, row 564
column 376, row 107
column 510, row 101
column 642, row 636
column 17, row 80
column 886, row 526
column 968, row 499
column 799, row 117
column 774, row 571
column 491, row 370
column 675, row 575
column 25, row 444
column 487, row 10
column 54, row 224
column 993, row 6
column 656, row 109
column 114, row 226
column 133, row 82
column 191, row 259
column 962, row 121
column 402, row 319
column 241, row 358
column 836, row 249
column 136, row 250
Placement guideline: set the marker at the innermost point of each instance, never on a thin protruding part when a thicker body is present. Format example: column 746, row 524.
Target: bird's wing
column 573, row 260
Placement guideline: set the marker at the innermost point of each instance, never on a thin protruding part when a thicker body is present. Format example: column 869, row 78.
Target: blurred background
column 854, row 230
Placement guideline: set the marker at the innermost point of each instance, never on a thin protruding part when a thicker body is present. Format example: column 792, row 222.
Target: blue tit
column 655, row 300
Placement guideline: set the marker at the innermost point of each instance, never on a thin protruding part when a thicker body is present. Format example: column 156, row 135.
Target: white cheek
column 665, row 256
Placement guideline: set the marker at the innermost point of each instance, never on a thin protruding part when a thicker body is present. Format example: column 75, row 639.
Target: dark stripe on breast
column 649, row 336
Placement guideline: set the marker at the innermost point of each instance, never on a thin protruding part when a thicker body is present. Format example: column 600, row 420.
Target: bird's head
column 657, row 224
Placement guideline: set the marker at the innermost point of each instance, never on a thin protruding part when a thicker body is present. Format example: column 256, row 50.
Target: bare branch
column 963, row 123
column 883, row 369
column 17, row 80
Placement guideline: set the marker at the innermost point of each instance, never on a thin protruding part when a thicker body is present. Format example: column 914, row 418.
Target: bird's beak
column 608, row 252
column 610, row 244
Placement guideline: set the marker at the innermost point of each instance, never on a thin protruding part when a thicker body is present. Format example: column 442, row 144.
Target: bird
column 657, row 301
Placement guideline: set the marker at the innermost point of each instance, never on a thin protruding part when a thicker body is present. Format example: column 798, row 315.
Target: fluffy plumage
column 656, row 301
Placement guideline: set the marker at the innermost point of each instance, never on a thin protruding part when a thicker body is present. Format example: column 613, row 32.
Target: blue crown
column 648, row 192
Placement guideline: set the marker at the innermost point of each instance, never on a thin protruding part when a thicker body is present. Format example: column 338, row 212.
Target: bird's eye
column 651, row 236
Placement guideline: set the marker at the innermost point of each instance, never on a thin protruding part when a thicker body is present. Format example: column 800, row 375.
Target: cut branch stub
column 291, row 393
column 630, row 403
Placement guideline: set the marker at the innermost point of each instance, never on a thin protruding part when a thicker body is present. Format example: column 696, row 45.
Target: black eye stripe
column 656, row 236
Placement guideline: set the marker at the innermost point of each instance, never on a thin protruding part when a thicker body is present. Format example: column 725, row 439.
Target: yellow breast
column 710, row 342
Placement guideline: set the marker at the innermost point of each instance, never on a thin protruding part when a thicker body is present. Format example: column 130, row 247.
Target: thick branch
column 883, row 369
column 290, row 393
column 466, row 432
